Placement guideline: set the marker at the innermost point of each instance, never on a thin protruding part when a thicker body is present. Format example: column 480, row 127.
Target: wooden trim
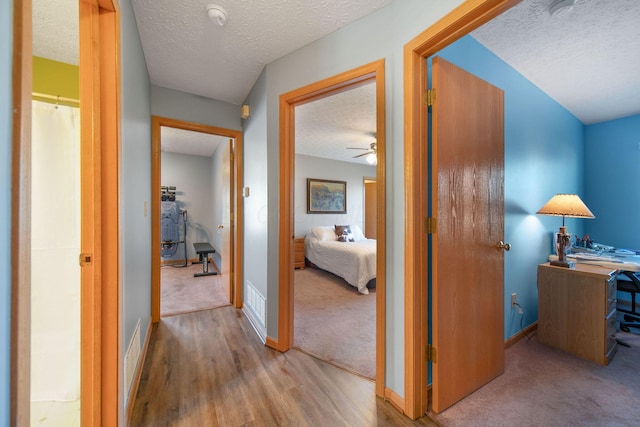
column 286, row 233
column 156, row 123
column 457, row 23
column 395, row 399
column 138, row 374
column 112, row 402
column 237, row 240
column 532, row 328
column 101, row 388
column 272, row 343
column 89, row 200
column 20, row 352
column 350, row 79
column 381, row 236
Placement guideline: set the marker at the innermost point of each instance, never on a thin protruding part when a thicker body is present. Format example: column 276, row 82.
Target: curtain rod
column 55, row 98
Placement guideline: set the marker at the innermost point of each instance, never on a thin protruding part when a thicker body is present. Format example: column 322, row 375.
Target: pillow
column 344, row 233
column 323, row 232
column 357, row 232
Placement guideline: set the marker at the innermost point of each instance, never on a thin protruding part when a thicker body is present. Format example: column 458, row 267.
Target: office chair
column 632, row 286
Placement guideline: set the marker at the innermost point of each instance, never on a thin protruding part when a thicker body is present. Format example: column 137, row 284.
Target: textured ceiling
column 186, row 51
column 188, row 142
column 587, row 59
column 55, row 30
column 324, row 128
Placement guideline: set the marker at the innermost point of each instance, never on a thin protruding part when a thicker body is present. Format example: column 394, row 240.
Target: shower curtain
column 55, row 247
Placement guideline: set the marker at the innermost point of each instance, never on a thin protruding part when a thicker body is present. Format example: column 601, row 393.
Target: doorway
column 199, row 219
column 453, row 26
column 288, row 102
column 99, row 123
column 335, row 302
column 192, row 204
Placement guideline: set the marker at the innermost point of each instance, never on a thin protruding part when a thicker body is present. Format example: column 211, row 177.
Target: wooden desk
column 577, row 310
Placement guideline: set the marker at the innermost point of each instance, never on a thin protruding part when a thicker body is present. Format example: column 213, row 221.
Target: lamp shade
column 566, row 205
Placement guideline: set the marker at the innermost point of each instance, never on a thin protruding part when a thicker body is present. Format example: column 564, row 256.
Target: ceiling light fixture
column 561, row 7
column 217, row 14
column 372, row 159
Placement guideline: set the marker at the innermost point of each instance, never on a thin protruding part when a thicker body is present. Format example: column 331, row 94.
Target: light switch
column 145, row 208
column 245, row 191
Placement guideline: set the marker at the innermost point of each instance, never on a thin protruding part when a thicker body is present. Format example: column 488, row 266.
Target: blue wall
column 6, row 51
column 544, row 155
column 612, row 181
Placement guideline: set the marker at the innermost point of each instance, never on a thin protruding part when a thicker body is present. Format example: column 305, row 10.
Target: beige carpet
column 334, row 322
column 181, row 293
column 543, row 386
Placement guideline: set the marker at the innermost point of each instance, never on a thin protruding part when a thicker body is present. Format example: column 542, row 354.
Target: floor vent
column 131, row 359
column 256, row 302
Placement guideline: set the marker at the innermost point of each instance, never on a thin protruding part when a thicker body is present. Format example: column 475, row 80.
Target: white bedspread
column 355, row 261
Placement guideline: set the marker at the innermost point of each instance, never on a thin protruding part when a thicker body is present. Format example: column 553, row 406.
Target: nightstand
column 298, row 251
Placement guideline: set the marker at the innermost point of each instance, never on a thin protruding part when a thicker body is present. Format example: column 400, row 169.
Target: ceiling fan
column 371, row 150
column 371, row 158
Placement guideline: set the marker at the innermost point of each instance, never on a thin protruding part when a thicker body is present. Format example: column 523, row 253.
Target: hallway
column 209, row 368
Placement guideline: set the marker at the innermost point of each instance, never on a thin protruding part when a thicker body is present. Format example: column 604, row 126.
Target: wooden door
column 227, row 218
column 370, row 209
column 467, row 266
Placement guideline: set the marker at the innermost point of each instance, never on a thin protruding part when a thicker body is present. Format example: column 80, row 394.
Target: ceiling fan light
column 372, row 159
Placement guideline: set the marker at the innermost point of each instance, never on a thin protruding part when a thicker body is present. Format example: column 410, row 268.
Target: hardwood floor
column 210, row 369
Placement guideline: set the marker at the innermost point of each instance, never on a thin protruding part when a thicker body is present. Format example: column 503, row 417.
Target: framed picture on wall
column 325, row 196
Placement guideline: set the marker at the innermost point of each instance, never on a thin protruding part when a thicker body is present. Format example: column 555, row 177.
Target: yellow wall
column 56, row 79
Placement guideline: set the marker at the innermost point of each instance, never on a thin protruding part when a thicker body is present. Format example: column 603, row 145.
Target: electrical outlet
column 513, row 299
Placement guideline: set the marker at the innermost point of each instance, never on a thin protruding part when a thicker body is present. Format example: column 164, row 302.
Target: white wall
column 319, row 168
column 135, row 182
column 191, row 175
column 382, row 34
column 193, row 108
column 256, row 205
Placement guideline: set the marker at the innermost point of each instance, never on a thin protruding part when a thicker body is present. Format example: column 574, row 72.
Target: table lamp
column 565, row 205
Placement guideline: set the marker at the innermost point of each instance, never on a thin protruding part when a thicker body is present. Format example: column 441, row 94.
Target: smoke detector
column 217, row 14
column 561, row 7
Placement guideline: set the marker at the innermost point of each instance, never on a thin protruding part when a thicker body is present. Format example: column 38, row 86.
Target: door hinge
column 429, row 97
column 85, row 259
column 431, row 353
column 430, row 225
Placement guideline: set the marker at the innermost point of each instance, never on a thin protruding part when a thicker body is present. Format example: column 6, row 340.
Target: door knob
column 504, row 246
column 220, row 226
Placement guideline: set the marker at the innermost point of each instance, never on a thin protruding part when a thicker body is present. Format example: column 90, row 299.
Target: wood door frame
column 460, row 21
column 22, row 75
column 237, row 234
column 101, row 390
column 372, row 72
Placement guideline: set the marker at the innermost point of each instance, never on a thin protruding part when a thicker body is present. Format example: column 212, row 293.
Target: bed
column 354, row 261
